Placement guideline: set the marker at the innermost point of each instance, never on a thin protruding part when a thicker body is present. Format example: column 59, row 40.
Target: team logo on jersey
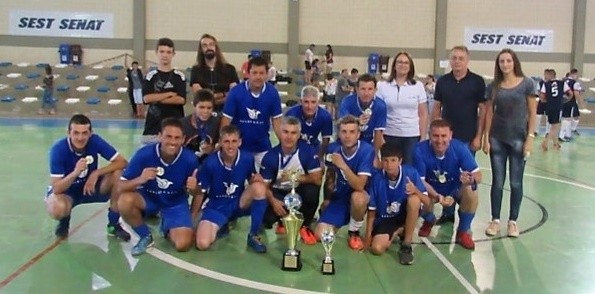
column 253, row 113
column 441, row 176
column 363, row 128
column 230, row 188
column 163, row 183
column 306, row 138
column 393, row 208
column 168, row 85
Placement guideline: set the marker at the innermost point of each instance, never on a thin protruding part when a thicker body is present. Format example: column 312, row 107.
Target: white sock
column 354, row 225
column 537, row 122
column 564, row 128
column 574, row 124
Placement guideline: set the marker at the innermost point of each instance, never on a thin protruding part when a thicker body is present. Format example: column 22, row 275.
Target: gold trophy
column 292, row 222
column 328, row 264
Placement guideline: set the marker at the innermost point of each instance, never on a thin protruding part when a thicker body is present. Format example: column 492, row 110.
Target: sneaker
column 576, row 133
column 142, row 245
column 513, row 230
column 308, row 236
column 223, row 231
column 464, row 238
column 62, row 228
column 426, row 229
column 568, row 139
column 255, row 243
column 355, row 241
column 563, row 140
column 406, row 255
column 493, row 228
column 535, row 134
column 118, row 232
column 445, row 219
column 280, row 230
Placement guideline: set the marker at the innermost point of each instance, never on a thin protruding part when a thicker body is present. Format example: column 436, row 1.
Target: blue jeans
column 406, row 144
column 48, row 101
column 500, row 153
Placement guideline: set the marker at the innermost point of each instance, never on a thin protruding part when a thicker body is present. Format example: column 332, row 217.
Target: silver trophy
column 292, row 222
column 328, row 264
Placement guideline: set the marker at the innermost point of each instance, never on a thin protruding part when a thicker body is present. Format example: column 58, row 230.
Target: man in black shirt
column 211, row 71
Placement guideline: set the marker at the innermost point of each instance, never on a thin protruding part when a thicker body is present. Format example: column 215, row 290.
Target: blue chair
column 62, row 88
column 5, row 64
column 21, row 87
column 590, row 99
column 33, row 75
column 7, row 99
column 103, row 89
column 93, row 100
column 111, row 78
column 117, row 67
column 72, row 77
column 41, row 65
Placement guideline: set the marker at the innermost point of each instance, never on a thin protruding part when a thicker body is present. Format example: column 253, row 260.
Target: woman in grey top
column 510, row 119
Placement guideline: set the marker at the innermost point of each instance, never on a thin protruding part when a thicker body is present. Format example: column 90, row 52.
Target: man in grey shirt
column 343, row 88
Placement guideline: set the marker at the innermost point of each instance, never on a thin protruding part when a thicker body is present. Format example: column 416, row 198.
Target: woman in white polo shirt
column 406, row 106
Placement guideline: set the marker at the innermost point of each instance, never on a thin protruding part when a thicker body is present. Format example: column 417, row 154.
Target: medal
column 89, row 159
column 368, row 111
column 160, row 171
column 442, row 178
column 329, row 157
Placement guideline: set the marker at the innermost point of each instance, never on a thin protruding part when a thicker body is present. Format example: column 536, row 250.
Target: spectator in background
column 48, row 92
column 244, row 68
column 330, row 92
column 343, row 89
column 212, row 71
column 329, row 59
column 316, row 71
column 272, row 74
column 430, row 86
column 135, row 89
column 353, row 78
column 308, row 60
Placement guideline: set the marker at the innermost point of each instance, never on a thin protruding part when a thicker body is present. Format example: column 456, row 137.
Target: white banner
column 61, row 24
column 522, row 40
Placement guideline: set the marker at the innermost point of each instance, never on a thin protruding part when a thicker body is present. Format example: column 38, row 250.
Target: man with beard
column 211, row 71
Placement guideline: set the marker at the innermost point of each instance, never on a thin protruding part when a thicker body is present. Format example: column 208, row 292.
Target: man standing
column 77, row 179
column 344, row 89
column 135, row 89
column 308, row 60
column 252, row 106
column 164, row 91
column 460, row 99
column 212, row 71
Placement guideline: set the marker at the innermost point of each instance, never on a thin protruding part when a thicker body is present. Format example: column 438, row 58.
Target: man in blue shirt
column 292, row 156
column 371, row 112
column 315, row 121
column 222, row 180
column 349, row 165
column 159, row 179
column 396, row 195
column 251, row 106
column 450, row 173
column 77, row 179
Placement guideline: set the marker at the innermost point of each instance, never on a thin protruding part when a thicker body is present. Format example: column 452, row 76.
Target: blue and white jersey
column 360, row 162
column 304, row 160
column 351, row 105
column 443, row 173
column 320, row 126
column 63, row 159
column 225, row 185
column 252, row 114
column 169, row 186
column 388, row 197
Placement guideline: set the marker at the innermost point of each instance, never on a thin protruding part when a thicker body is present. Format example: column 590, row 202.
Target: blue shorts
column 222, row 215
column 337, row 214
column 77, row 196
column 453, row 191
column 172, row 217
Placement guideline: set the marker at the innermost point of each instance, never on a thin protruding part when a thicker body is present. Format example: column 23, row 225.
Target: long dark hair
column 393, row 68
column 499, row 75
column 200, row 56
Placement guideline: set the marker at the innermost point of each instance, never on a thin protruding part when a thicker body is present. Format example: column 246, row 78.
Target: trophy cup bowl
column 293, row 222
column 328, row 264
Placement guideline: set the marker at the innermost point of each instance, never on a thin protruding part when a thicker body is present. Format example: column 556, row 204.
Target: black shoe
column 406, row 255
column 576, row 133
column 535, row 134
column 118, row 232
column 445, row 219
column 62, row 228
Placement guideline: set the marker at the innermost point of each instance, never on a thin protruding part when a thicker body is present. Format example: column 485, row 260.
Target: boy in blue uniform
column 222, row 180
column 315, row 121
column 292, row 155
column 371, row 112
column 396, row 195
column 450, row 173
column 252, row 106
column 77, row 179
column 349, row 162
column 159, row 178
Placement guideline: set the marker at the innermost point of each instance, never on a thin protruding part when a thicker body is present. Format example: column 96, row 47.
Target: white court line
column 450, row 267
column 222, row 277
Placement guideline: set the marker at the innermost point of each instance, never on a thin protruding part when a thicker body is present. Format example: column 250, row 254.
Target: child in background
column 48, row 101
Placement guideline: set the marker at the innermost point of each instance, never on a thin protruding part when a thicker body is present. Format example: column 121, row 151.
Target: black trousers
column 310, row 199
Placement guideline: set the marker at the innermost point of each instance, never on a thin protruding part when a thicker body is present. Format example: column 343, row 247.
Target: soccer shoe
column 118, row 232
column 62, row 228
column 280, row 230
column 513, row 230
column 355, row 241
column 464, row 238
column 308, row 236
column 445, row 219
column 576, row 133
column 142, row 245
column 256, row 244
column 406, row 255
column 493, row 228
column 223, row 231
column 426, row 229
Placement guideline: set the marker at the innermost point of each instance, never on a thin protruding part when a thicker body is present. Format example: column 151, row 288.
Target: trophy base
column 328, row 267
column 291, row 262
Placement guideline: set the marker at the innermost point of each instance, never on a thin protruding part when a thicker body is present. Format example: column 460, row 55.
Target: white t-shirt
column 402, row 104
column 272, row 74
column 309, row 56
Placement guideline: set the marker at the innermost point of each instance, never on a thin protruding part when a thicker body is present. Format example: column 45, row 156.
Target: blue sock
column 465, row 219
column 428, row 217
column 142, row 230
column 257, row 210
column 65, row 221
column 112, row 217
column 449, row 211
